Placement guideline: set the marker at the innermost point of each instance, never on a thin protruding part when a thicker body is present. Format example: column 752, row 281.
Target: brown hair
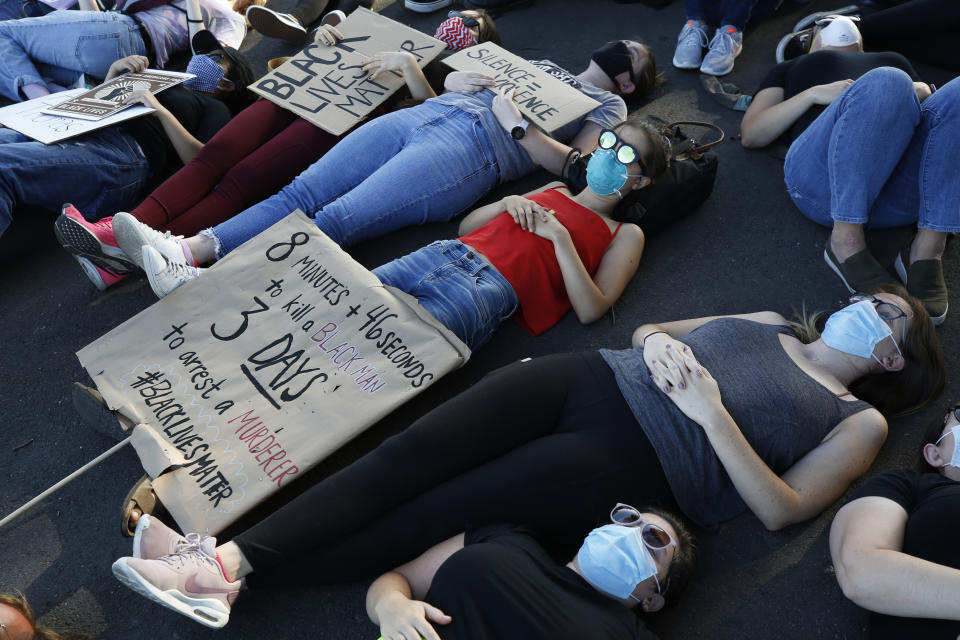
column 684, row 558
column 657, row 158
column 486, row 28
column 19, row 603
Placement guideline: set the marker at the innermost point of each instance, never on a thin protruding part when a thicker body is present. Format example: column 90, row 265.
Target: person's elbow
column 751, row 139
column 851, row 565
column 588, row 314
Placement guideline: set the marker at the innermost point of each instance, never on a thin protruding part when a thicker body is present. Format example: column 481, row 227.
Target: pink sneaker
column 190, row 581
column 100, row 277
column 153, row 539
column 91, row 240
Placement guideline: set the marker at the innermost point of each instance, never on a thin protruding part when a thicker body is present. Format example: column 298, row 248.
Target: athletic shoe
column 859, row 272
column 190, row 581
column 811, row 19
column 164, row 275
column 333, row 18
column 91, row 240
column 153, row 539
column 690, row 44
column 132, row 235
column 276, row 25
column 924, row 281
column 100, row 277
column 726, row 45
column 426, row 7
column 794, row 45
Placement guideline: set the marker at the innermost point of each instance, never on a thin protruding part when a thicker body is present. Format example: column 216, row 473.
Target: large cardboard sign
column 30, row 119
column 109, row 98
column 327, row 86
column 545, row 101
column 250, row 374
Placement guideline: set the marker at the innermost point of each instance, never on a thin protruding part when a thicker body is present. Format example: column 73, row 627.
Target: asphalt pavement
column 746, row 249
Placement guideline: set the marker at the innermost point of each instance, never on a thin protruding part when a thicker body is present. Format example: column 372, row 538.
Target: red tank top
column 529, row 262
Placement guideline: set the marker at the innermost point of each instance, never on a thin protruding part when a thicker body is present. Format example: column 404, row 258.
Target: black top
column 932, row 503
column 199, row 114
column 824, row 67
column 503, row 585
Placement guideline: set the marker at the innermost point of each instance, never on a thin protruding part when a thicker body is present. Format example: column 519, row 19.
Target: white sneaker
column 690, row 44
column 276, row 25
column 164, row 275
column 726, row 45
column 132, row 235
column 426, row 7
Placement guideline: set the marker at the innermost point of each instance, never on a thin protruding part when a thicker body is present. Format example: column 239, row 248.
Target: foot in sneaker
column 91, row 240
column 190, row 581
column 276, row 25
column 426, row 6
column 860, row 272
column 690, row 44
column 153, row 539
column 164, row 275
column 726, row 45
column 924, row 281
column 100, row 277
column 132, row 235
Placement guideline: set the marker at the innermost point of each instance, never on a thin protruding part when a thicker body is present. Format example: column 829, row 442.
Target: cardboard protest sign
column 252, row 373
column 544, row 100
column 108, row 99
column 30, row 119
column 327, row 86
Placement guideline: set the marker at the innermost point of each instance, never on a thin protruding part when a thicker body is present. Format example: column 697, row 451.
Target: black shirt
column 199, row 114
column 932, row 503
column 504, row 585
column 824, row 67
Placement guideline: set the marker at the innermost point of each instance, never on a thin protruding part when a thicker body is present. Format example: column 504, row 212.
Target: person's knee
column 888, row 83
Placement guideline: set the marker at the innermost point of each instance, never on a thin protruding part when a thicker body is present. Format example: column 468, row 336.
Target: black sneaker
column 276, row 25
column 860, row 272
column 924, row 281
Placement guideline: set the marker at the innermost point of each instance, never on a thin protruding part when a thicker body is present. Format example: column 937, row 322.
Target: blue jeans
column 101, row 173
column 63, row 44
column 457, row 286
column 413, row 166
column 732, row 12
column 877, row 156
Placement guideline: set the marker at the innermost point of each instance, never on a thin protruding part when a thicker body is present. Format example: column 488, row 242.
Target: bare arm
column 866, row 542
column 680, row 328
column 194, row 19
column 182, row 140
column 769, row 115
column 402, row 62
column 482, row 215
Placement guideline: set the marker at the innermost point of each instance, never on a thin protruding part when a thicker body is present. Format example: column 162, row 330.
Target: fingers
column 327, row 35
column 669, row 375
column 436, row 615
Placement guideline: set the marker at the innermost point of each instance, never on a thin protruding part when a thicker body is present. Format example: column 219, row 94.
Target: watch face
column 517, row 132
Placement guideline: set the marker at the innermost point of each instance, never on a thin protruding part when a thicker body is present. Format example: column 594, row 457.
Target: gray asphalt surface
column 747, row 249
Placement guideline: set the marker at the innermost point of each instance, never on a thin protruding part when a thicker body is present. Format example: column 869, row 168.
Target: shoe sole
column 91, row 272
column 427, row 7
column 268, row 24
column 81, row 242
column 683, row 66
column 836, row 270
column 206, row 611
column 901, row 270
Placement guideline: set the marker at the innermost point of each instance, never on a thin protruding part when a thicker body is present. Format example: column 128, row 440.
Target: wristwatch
column 520, row 130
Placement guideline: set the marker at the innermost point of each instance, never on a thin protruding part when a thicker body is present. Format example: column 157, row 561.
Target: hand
column 827, row 93
column 689, row 385
column 467, row 82
column 923, row 90
column 389, row 61
column 145, row 98
column 401, row 617
column 327, row 35
column 241, row 6
column 524, row 212
column 505, row 109
column 127, row 65
column 549, row 227
column 658, row 347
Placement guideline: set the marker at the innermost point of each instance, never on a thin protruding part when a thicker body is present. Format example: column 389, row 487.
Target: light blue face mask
column 208, row 74
column 606, row 174
column 857, row 329
column 614, row 560
column 955, row 460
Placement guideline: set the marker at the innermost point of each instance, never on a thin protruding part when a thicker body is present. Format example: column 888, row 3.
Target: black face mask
column 614, row 59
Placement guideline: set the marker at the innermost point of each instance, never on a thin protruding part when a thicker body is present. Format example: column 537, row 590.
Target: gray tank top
column 782, row 412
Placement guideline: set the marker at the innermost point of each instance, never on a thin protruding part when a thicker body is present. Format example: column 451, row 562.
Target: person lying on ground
column 227, row 175
column 871, row 146
column 892, row 546
column 112, row 167
column 713, row 416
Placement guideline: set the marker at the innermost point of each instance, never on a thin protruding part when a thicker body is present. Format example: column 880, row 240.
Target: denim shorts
column 457, row 285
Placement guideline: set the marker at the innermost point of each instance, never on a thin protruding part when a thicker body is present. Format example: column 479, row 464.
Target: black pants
column 549, row 443
column 923, row 30
column 309, row 11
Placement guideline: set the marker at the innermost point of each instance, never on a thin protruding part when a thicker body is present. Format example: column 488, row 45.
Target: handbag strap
column 690, row 146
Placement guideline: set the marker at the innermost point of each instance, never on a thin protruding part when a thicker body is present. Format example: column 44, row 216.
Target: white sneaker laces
column 723, row 41
column 690, row 33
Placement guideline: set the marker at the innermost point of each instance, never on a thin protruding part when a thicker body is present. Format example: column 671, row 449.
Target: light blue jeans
column 413, row 166
column 877, row 156
column 63, row 44
column 101, row 172
column 457, row 286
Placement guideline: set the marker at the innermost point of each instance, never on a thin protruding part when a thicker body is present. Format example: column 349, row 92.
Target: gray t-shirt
column 781, row 411
column 512, row 159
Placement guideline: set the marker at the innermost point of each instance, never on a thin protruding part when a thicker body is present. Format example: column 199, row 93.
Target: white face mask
column 955, row 460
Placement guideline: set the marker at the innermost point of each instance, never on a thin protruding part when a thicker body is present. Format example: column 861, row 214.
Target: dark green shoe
column 860, row 273
column 924, row 281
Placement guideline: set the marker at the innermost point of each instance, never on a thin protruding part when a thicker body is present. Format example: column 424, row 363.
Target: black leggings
column 548, row 443
column 923, row 30
column 309, row 11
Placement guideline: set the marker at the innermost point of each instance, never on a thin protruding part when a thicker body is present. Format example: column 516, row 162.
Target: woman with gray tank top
column 713, row 415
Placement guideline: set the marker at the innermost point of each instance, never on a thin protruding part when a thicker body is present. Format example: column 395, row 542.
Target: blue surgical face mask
column 614, row 560
column 955, row 460
column 857, row 329
column 208, row 74
column 606, row 174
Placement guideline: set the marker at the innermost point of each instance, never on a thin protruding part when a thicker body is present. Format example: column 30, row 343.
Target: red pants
column 255, row 155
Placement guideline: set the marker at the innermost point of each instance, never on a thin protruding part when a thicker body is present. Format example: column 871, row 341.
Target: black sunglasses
column 468, row 22
column 626, row 154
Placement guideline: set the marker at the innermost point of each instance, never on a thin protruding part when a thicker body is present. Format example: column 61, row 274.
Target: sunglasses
column 654, row 537
column 955, row 410
column 886, row 310
column 468, row 22
column 625, row 153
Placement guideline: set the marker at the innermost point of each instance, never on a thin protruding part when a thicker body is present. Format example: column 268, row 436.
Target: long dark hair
column 684, row 558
